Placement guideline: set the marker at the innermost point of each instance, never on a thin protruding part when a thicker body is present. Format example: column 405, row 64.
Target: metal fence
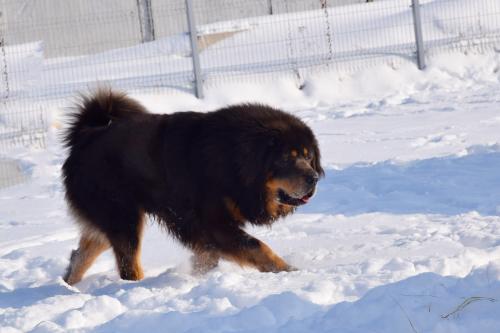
column 52, row 49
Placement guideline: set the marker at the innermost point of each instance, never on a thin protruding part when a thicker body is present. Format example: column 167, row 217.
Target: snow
column 402, row 236
column 404, row 229
column 24, row 63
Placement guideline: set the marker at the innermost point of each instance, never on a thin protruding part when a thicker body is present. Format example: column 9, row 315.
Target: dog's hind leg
column 126, row 245
column 92, row 244
column 204, row 260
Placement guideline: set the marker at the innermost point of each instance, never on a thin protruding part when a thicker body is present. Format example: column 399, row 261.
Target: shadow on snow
column 446, row 185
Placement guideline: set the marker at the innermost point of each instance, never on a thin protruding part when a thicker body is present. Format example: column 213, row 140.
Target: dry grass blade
column 405, row 313
column 465, row 303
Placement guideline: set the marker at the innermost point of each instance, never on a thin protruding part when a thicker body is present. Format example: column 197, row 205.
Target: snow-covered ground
column 403, row 235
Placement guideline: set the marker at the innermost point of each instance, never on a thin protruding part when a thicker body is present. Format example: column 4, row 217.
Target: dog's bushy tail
column 98, row 110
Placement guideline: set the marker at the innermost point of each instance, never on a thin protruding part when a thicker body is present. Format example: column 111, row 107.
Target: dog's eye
column 308, row 157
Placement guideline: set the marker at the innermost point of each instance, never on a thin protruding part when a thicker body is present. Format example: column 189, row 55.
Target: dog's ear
column 316, row 161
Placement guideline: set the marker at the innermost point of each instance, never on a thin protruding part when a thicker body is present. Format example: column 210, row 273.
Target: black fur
column 179, row 168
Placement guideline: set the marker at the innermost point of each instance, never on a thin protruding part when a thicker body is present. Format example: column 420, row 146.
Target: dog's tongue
column 305, row 198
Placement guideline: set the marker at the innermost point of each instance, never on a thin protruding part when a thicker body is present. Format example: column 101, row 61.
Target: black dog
column 201, row 175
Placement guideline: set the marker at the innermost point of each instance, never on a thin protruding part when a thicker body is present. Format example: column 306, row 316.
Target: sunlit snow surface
column 402, row 236
column 404, row 229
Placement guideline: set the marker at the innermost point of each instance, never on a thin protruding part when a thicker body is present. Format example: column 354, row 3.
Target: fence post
column 146, row 20
column 4, row 80
column 194, row 49
column 417, row 23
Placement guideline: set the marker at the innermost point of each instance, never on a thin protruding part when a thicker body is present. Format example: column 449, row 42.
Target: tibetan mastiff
column 203, row 176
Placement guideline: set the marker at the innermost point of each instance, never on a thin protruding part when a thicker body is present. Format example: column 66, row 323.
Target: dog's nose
column 312, row 179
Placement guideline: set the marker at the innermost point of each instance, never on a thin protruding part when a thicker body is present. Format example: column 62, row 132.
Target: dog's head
column 286, row 152
column 294, row 174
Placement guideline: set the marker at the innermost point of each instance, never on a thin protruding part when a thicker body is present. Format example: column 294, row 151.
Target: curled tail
column 98, row 110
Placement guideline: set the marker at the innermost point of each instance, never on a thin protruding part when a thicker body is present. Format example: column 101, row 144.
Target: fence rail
column 52, row 49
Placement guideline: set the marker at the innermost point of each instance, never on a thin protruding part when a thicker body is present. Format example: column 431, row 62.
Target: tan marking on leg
column 260, row 257
column 129, row 264
column 128, row 255
column 92, row 244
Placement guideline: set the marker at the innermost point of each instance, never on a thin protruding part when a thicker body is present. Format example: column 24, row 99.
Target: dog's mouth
column 292, row 200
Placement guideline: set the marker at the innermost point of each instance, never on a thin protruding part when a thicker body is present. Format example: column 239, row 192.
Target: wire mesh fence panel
column 296, row 35
column 463, row 26
column 19, row 69
column 11, row 173
column 89, row 41
column 52, row 50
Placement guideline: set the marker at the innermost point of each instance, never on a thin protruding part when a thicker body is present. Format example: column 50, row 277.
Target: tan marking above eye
column 306, row 152
column 294, row 153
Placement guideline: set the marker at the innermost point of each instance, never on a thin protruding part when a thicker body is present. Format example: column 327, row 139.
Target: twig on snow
column 405, row 313
column 465, row 303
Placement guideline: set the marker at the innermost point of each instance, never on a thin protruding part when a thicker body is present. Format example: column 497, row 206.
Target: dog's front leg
column 240, row 247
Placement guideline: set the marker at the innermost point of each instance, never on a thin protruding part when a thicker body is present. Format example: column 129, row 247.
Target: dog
column 203, row 176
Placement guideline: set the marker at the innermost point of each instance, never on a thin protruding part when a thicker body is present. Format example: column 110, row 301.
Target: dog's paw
column 281, row 268
column 291, row 268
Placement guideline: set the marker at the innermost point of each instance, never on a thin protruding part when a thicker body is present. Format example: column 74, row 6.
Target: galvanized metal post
column 194, row 49
column 419, row 40
column 4, row 70
column 146, row 20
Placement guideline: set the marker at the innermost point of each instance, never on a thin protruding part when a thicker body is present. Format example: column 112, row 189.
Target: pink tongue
column 305, row 198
